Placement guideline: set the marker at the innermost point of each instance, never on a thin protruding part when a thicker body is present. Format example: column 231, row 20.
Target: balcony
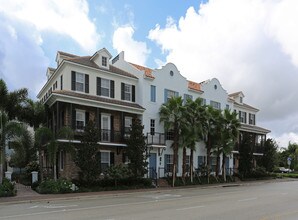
column 156, row 138
column 110, row 136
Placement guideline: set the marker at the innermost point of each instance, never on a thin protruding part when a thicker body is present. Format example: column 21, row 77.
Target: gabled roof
column 194, row 86
column 147, row 71
column 67, row 54
column 243, row 105
column 87, row 62
column 235, row 94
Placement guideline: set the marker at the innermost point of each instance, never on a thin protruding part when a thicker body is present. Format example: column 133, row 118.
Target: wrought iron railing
column 156, row 138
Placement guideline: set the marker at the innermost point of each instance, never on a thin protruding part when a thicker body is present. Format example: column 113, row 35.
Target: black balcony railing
column 258, row 148
column 156, row 138
column 112, row 136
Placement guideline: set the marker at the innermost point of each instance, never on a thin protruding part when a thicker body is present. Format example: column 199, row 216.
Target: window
column 105, row 87
column 80, row 81
column 241, row 99
column 252, row 119
column 186, row 97
column 61, row 82
column 227, row 106
column 105, row 127
column 187, row 163
column 203, row 101
column 152, row 126
column 242, row 117
column 213, row 164
column 153, row 93
column 170, row 135
column 127, row 92
column 104, row 161
column 168, row 163
column 169, row 94
column 104, row 61
column 61, row 159
column 215, row 105
column 127, row 124
column 201, row 161
column 80, row 120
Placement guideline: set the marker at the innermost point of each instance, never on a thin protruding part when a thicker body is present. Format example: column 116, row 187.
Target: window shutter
column 112, row 89
column 240, row 116
column 61, row 82
column 73, row 80
column 112, row 128
column 244, row 117
column 165, row 163
column 86, row 118
column 112, row 158
column 86, row 83
column 122, row 91
column 98, row 87
column 133, row 95
column 73, row 119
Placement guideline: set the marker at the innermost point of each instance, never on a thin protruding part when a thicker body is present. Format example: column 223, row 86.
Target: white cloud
column 135, row 51
column 67, row 17
column 286, row 138
column 249, row 45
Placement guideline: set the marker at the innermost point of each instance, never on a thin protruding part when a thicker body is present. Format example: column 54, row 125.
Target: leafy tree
column 86, row 152
column 33, row 113
column 24, row 150
column 246, row 154
column 136, row 149
column 45, row 137
column 11, row 105
column 171, row 114
column 269, row 158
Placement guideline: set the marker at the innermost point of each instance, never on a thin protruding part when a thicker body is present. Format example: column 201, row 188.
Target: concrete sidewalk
column 26, row 194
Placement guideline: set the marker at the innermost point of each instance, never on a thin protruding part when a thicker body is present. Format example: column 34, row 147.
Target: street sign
column 289, row 160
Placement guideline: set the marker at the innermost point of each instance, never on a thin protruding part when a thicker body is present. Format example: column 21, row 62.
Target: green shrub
column 7, row 188
column 54, row 187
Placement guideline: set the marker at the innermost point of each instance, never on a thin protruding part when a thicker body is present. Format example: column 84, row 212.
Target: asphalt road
column 263, row 200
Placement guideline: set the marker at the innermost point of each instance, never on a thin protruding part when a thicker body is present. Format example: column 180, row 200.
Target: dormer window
column 104, row 61
column 241, row 99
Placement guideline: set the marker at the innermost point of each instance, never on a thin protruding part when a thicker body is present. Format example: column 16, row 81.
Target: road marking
column 248, row 199
column 192, row 207
column 162, row 196
column 52, row 206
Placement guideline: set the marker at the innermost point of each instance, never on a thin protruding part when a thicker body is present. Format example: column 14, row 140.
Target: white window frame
column 83, row 113
column 215, row 104
column 80, row 79
column 104, row 61
column 152, row 126
column 127, row 92
column 108, row 162
column 169, row 162
column 170, row 94
column 107, row 86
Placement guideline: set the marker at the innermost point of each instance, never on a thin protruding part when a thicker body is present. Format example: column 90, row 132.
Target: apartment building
column 111, row 91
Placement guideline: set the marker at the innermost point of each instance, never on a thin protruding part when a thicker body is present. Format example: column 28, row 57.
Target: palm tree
column 11, row 105
column 211, row 129
column 44, row 136
column 194, row 118
column 172, row 116
column 9, row 129
column 33, row 113
column 229, row 136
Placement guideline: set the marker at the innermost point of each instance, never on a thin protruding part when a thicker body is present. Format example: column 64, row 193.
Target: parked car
column 284, row 170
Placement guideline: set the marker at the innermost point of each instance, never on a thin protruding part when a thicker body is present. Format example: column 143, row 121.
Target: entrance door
column 152, row 165
column 105, row 128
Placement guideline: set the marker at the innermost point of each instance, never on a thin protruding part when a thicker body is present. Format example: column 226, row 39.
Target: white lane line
column 192, row 207
column 52, row 206
column 248, row 199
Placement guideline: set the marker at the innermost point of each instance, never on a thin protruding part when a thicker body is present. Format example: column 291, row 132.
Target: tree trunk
column 184, row 165
column 191, row 166
column 55, row 172
column 217, row 165
column 208, row 158
column 224, row 167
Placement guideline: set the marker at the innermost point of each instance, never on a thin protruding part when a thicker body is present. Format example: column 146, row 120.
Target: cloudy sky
column 249, row 45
